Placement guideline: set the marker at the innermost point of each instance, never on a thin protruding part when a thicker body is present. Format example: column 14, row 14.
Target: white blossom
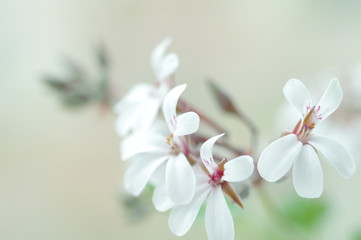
column 139, row 107
column 211, row 187
column 300, row 148
column 163, row 148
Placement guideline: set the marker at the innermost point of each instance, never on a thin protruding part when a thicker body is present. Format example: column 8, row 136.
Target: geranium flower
column 139, row 108
column 300, row 148
column 152, row 149
column 212, row 186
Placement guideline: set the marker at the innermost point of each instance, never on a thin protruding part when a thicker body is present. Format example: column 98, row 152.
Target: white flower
column 139, row 108
column 211, row 186
column 300, row 147
column 152, row 149
column 164, row 65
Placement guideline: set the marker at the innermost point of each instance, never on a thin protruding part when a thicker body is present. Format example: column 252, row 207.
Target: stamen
column 169, row 139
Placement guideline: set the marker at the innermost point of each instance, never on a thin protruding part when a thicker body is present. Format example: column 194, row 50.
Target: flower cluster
column 162, row 143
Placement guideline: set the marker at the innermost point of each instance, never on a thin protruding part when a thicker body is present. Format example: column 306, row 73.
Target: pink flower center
column 305, row 126
column 215, row 178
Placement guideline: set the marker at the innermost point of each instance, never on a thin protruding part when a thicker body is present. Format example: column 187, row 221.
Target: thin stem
column 252, row 128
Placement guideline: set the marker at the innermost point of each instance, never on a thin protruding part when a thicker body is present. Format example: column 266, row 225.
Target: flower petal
column 180, row 179
column 330, row 99
column 297, row 95
column 137, row 116
column 143, row 142
column 307, row 174
column 187, row 123
column 182, row 217
column 125, row 121
column 206, row 153
column 149, row 110
column 140, row 171
column 238, row 169
column 278, row 157
column 136, row 94
column 158, row 54
column 170, row 106
column 168, row 66
column 218, row 218
column 160, row 198
column 339, row 157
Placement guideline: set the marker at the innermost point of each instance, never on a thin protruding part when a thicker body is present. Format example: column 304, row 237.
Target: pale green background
column 60, row 172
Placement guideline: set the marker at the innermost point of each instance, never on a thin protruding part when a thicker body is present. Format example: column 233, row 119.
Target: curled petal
column 182, row 217
column 307, row 174
column 218, row 218
column 206, row 153
column 297, row 95
column 180, row 179
column 339, row 157
column 238, row 169
column 187, row 123
column 330, row 99
column 140, row 171
column 170, row 106
column 278, row 157
column 168, row 66
column 159, row 52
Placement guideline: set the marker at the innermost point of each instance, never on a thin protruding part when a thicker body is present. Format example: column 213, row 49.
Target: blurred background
column 60, row 170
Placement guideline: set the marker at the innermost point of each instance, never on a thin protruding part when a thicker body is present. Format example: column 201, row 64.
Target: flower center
column 305, row 126
column 173, row 145
column 215, row 178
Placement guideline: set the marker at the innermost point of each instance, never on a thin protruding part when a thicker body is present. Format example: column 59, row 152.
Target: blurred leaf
column 76, row 88
column 305, row 213
column 137, row 208
column 357, row 236
column 224, row 101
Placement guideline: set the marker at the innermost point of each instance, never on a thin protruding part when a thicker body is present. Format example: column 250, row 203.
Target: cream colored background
column 60, row 170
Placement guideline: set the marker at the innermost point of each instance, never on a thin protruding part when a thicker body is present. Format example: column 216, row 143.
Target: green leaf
column 305, row 213
column 357, row 236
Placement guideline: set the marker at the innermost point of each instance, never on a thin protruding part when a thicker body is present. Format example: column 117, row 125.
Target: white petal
column 158, row 53
column 180, row 179
column 339, row 157
column 206, row 153
column 125, row 122
column 149, row 110
column 136, row 94
column 219, row 221
column 140, row 171
column 182, row 217
column 187, row 123
column 278, row 157
column 238, row 169
column 170, row 106
column 307, row 174
column 158, row 176
column 297, row 95
column 330, row 99
column 138, row 115
column 143, row 142
column 160, row 198
column 168, row 66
